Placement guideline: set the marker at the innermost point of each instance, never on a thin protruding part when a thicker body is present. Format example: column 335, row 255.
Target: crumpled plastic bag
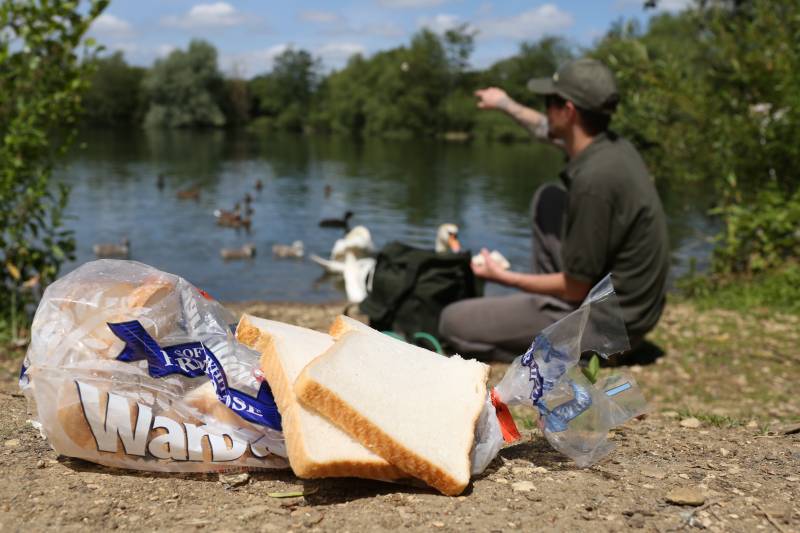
column 132, row 367
column 574, row 414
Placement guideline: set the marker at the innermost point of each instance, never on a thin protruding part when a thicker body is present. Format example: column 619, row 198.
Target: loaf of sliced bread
column 414, row 408
column 316, row 448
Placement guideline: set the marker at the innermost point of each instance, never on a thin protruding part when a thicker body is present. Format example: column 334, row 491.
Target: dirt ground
column 722, row 437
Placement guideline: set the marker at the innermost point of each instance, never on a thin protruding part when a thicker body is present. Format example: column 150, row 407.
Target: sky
column 248, row 34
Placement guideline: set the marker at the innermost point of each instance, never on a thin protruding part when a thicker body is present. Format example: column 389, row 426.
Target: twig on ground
column 770, row 519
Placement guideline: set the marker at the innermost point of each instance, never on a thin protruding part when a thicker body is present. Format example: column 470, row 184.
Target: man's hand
column 489, row 270
column 493, row 98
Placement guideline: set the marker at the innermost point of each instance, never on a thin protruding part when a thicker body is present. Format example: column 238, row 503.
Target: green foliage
column 185, row 89
column 114, row 97
column 41, row 82
column 777, row 289
column 284, row 95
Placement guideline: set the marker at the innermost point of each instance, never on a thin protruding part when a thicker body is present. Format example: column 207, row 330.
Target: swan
column 357, row 272
column 358, row 241
column 447, row 239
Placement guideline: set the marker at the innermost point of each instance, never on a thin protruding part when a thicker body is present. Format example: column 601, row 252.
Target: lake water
column 399, row 190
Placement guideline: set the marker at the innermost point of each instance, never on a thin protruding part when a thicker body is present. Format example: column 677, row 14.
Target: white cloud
column 528, row 25
column 438, row 23
column 110, row 26
column 252, row 63
column 320, row 17
column 217, row 15
column 335, row 55
column 403, row 4
column 663, row 5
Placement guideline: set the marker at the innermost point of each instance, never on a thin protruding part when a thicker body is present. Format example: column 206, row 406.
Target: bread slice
column 316, row 448
column 414, row 408
column 342, row 324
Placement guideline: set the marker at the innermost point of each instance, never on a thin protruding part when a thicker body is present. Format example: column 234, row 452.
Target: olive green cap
column 588, row 83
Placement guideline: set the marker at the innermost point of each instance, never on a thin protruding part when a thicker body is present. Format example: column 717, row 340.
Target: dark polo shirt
column 615, row 223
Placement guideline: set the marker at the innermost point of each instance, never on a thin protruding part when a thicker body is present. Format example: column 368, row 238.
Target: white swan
column 358, row 241
column 357, row 271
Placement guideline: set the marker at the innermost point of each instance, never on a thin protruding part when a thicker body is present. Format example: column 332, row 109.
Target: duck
column 192, row 193
column 294, row 250
column 113, row 251
column 259, row 185
column 247, row 251
column 247, row 198
column 343, row 222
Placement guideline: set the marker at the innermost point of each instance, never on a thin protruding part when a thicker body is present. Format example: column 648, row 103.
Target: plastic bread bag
column 574, row 414
column 135, row 368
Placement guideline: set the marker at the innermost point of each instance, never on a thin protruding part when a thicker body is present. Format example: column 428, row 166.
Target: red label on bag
column 507, row 425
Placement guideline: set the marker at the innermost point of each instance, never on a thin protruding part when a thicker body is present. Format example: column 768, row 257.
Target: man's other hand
column 492, row 98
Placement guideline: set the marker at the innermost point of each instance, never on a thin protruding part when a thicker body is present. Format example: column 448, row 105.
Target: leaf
column 14, row 271
column 592, row 369
column 295, row 494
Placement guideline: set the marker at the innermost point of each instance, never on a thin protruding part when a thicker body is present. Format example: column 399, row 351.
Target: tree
column 114, row 97
column 42, row 79
column 285, row 94
column 185, row 89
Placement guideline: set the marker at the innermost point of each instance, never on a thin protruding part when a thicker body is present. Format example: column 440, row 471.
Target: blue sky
column 248, row 34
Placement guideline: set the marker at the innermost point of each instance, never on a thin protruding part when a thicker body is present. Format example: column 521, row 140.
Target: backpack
column 411, row 286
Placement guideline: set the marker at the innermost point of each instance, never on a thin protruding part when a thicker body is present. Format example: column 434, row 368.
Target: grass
column 776, row 290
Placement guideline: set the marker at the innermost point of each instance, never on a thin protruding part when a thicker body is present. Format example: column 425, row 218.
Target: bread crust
column 302, row 465
column 335, row 409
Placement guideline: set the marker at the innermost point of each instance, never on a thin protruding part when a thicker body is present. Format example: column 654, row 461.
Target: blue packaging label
column 194, row 359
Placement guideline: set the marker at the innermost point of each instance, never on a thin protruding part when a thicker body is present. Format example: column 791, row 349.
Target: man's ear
column 572, row 110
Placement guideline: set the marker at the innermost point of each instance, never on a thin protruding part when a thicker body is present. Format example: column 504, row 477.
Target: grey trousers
column 502, row 327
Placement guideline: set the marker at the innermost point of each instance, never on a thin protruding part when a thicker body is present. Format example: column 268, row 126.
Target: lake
column 400, row 190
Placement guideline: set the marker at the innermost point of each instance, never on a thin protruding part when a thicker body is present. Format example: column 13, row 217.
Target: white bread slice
column 343, row 323
column 316, row 448
column 415, row 408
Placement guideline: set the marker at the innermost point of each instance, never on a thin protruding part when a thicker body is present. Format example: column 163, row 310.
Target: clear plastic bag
column 574, row 414
column 135, row 368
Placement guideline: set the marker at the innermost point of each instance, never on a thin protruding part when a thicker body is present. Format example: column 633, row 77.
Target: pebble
column 539, row 470
column 234, row 480
column 653, row 472
column 501, row 480
column 522, row 486
column 793, row 479
column 686, row 496
column 438, row 524
column 691, row 423
column 40, row 464
column 752, row 424
column 11, row 443
column 724, row 452
column 683, row 476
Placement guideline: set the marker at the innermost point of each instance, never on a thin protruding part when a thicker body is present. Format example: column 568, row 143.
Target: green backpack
column 411, row 286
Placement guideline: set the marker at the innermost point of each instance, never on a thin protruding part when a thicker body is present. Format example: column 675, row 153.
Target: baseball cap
column 588, row 83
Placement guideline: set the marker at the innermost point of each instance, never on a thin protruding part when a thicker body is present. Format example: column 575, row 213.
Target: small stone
column 522, row 486
column 683, row 476
column 724, row 452
column 234, row 480
column 793, row 479
column 752, row 424
column 501, row 480
column 653, row 472
column 539, row 470
column 691, row 423
column 312, row 518
column 438, row 524
column 686, row 496
column 40, row 464
column 11, row 443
